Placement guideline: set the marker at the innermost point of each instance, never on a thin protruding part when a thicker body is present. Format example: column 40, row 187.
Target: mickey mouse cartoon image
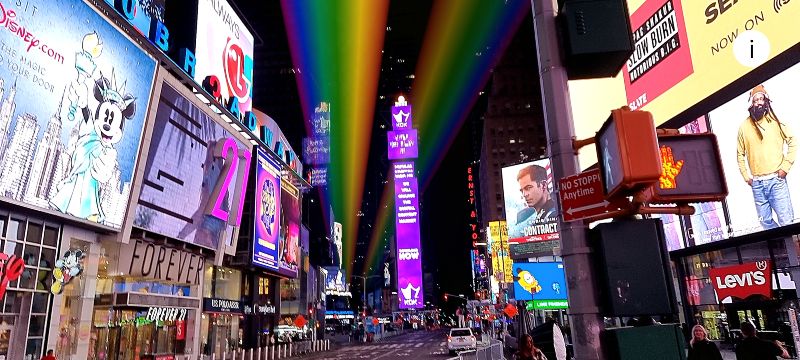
column 68, row 267
column 94, row 159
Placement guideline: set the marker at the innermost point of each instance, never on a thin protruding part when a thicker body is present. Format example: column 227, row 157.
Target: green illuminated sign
column 548, row 304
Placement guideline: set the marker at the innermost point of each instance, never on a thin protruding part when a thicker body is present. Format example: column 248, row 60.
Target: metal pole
column 585, row 319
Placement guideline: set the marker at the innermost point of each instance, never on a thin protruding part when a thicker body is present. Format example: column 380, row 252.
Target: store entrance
column 130, row 336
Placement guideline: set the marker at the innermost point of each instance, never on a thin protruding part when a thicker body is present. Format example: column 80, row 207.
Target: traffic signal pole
column 584, row 312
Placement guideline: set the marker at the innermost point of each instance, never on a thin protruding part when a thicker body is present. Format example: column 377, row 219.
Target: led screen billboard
column 530, row 205
column 409, row 253
column 224, row 53
column 685, row 52
column 402, row 144
column 502, row 264
column 771, row 200
column 268, row 211
column 757, row 156
column 539, row 281
column 289, row 241
column 195, row 176
column 74, row 94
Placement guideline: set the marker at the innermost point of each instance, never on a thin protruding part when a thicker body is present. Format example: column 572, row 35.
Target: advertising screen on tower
column 224, row 53
column 530, row 205
column 268, row 209
column 196, row 174
column 74, row 94
column 409, row 254
column 402, row 144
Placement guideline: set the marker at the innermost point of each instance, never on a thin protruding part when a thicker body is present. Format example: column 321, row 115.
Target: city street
column 416, row 345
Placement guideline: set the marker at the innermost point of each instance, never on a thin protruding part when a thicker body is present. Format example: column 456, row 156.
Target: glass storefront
column 25, row 309
column 723, row 317
column 130, row 330
column 221, row 332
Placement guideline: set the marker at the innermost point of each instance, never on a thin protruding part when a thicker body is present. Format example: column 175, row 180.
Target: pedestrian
column 50, row 355
column 753, row 348
column 700, row 348
column 527, row 351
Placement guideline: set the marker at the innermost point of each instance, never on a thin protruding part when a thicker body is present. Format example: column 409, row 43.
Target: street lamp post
column 364, row 289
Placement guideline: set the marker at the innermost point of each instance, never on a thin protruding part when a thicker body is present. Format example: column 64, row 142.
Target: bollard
column 271, row 351
column 290, row 349
column 258, row 354
column 213, row 356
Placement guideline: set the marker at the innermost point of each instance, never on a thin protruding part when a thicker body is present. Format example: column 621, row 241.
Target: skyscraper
column 18, row 157
column 513, row 128
column 6, row 112
column 47, row 169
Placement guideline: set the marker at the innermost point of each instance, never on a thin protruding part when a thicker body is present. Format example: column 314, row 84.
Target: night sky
column 444, row 211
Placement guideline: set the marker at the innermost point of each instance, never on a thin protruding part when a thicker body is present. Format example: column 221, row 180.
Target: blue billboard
column 539, row 281
column 267, row 212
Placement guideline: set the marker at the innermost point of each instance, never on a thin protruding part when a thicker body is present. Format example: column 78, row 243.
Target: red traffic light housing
column 627, row 152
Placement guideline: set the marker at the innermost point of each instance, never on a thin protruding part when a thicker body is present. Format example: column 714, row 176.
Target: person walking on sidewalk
column 753, row 348
column 700, row 348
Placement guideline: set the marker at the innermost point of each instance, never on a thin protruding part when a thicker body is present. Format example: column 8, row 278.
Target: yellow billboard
column 501, row 259
column 685, row 51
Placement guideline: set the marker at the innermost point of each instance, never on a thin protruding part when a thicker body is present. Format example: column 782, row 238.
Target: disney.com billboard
column 74, row 94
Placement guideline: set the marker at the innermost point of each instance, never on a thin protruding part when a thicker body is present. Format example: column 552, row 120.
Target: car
column 461, row 339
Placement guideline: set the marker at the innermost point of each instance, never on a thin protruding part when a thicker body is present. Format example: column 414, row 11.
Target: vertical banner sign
column 224, row 52
column 409, row 261
column 74, row 94
column 473, row 213
column 267, row 211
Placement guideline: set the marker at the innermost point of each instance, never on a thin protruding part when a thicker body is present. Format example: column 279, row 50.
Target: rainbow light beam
column 336, row 47
column 464, row 40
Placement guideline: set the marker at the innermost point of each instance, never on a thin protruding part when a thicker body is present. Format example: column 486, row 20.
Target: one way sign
column 582, row 196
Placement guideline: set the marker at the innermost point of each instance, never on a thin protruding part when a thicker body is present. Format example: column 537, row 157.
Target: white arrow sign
column 571, row 211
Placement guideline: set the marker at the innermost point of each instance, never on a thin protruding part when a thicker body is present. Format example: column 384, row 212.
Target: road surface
column 416, row 345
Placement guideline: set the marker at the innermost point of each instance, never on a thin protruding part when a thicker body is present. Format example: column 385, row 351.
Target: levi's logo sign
column 743, row 280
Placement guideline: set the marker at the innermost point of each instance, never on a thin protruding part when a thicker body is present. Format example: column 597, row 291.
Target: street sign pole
column 585, row 319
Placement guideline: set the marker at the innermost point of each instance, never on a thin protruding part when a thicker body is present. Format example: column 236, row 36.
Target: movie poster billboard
column 289, row 235
column 530, row 205
column 224, row 53
column 195, row 176
column 74, row 94
column 267, row 211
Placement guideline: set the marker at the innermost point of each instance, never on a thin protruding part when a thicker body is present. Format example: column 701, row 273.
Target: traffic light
column 445, row 297
column 627, row 152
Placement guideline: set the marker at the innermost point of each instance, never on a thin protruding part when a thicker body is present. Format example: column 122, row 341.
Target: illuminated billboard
column 757, row 156
column 289, row 249
column 268, row 208
column 224, row 53
column 402, row 144
column 530, row 206
column 685, row 52
column 409, row 252
column 760, row 197
column 196, row 174
column 539, row 281
column 74, row 94
column 499, row 251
